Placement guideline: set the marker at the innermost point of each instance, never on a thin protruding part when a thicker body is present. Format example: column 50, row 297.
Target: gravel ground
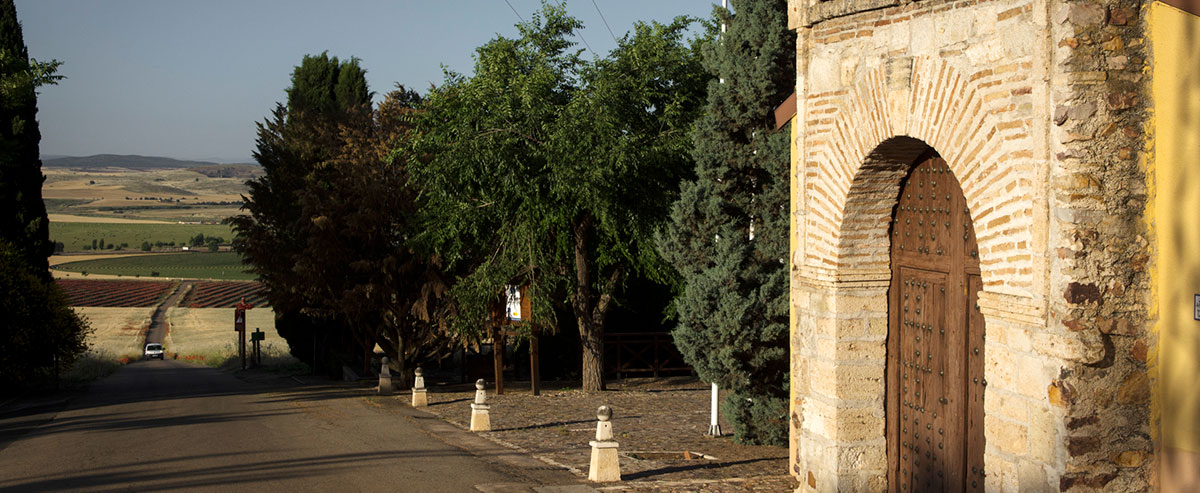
column 659, row 423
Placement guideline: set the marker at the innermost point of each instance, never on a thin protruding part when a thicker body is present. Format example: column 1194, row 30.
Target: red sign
column 239, row 315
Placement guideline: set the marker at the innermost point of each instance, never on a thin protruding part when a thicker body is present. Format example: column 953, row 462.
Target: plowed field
column 212, row 294
column 114, row 293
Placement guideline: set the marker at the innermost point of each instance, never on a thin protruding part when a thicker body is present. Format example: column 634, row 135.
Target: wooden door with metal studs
column 935, row 383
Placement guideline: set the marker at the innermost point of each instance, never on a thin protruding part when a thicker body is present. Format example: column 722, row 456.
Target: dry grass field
column 206, row 336
column 119, row 333
column 155, row 194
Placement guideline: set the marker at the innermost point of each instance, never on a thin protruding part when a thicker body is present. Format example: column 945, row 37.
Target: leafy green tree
column 23, row 221
column 291, row 144
column 545, row 169
column 728, row 231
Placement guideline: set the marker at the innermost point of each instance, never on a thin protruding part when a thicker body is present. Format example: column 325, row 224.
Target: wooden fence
column 642, row 353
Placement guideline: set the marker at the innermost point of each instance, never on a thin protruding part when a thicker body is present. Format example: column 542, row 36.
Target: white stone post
column 385, row 378
column 480, row 421
column 419, row 397
column 714, row 427
column 604, row 467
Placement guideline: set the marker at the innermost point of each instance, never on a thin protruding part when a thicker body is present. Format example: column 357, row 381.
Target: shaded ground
column 167, row 425
column 655, row 421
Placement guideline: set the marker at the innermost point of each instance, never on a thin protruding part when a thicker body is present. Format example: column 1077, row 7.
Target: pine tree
column 23, row 221
column 728, row 235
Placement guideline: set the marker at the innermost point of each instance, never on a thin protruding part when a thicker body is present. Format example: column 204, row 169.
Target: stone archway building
column 1043, row 112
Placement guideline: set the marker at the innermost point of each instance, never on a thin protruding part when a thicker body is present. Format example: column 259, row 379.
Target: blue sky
column 188, row 79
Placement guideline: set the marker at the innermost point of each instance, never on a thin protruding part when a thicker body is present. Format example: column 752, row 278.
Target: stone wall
column 1099, row 278
column 1038, row 108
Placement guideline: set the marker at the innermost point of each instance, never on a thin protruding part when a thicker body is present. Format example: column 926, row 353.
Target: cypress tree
column 39, row 333
column 728, row 231
column 291, row 146
column 23, row 221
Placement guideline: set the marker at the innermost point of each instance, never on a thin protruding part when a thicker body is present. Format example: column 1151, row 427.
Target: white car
column 153, row 350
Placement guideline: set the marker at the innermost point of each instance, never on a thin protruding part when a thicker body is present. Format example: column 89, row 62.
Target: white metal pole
column 714, row 428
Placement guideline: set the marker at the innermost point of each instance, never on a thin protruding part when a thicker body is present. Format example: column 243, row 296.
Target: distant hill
column 131, row 161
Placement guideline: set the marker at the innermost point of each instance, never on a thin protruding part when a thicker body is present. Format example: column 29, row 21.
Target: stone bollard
column 480, row 421
column 385, row 378
column 419, row 397
column 604, row 466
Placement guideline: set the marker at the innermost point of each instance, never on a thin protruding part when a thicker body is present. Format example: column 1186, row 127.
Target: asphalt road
column 167, row 425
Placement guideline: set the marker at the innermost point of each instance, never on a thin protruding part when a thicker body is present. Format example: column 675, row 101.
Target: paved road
column 167, row 425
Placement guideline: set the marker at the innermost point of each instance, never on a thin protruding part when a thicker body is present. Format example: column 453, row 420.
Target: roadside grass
column 75, row 236
column 117, row 338
column 205, row 336
column 199, row 265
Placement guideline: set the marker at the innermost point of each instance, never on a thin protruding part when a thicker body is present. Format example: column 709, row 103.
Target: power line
column 563, row 4
column 515, row 11
column 610, row 31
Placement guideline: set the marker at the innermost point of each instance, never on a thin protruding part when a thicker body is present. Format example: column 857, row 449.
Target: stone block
column 1033, row 376
column 862, row 351
column 1001, row 369
column 1043, row 427
column 855, row 303
column 860, row 382
column 1032, row 477
column 1086, row 13
column 604, row 465
column 860, row 424
column 1001, row 474
column 385, row 378
column 1019, row 339
column 823, row 75
column 480, row 419
column 869, row 456
column 1010, row 438
column 1084, row 346
column 820, row 418
column 1006, row 405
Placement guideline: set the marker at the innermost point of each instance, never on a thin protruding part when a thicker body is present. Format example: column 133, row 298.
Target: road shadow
column 240, row 472
column 690, row 467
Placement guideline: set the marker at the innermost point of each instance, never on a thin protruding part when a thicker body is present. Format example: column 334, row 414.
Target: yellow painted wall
column 1175, row 215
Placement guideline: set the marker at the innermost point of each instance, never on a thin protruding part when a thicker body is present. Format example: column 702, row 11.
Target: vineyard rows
column 216, row 294
column 114, row 293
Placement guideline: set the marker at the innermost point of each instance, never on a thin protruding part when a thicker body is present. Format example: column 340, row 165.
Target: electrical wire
column 606, row 26
column 515, row 11
column 563, row 4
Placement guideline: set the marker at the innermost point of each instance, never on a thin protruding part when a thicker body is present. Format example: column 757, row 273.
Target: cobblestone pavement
column 659, row 423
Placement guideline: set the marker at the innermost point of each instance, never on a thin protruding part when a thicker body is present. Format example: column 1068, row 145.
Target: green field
column 221, row 266
column 75, row 235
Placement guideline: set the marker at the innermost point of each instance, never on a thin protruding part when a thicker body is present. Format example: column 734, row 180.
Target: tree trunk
column 591, row 335
column 591, row 338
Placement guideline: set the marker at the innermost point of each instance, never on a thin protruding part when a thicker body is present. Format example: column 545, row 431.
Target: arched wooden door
column 935, row 338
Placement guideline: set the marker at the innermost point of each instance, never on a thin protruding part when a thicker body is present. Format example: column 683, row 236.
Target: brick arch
column 861, row 140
